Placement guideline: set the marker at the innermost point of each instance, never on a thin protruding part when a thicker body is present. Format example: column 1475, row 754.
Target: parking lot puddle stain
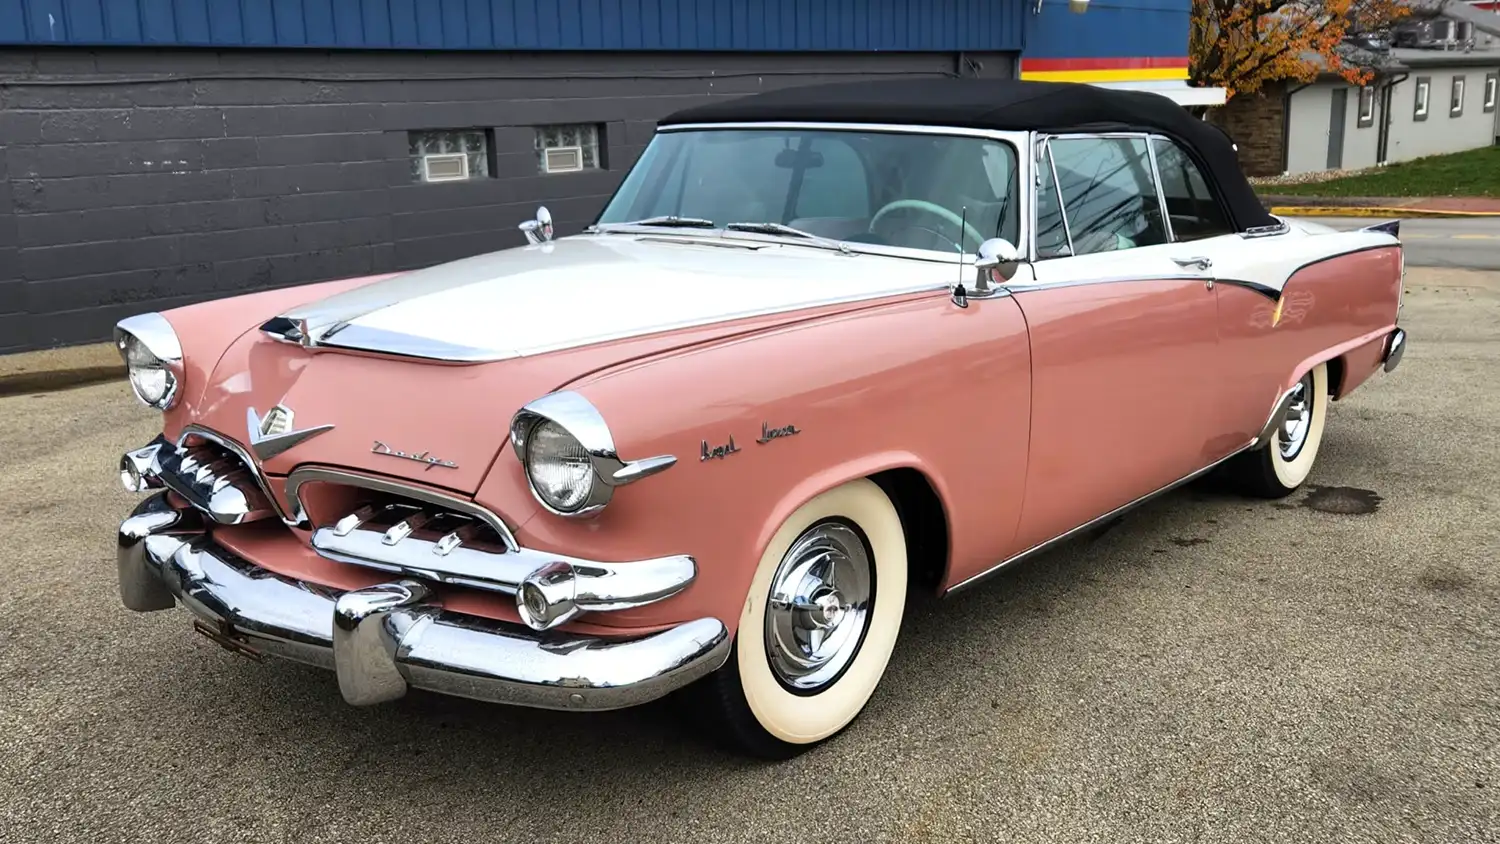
column 1342, row 500
column 1188, row 543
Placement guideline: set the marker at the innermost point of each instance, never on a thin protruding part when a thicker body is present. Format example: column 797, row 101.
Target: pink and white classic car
column 824, row 346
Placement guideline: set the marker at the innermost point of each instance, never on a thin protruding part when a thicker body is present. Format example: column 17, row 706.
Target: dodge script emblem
column 424, row 457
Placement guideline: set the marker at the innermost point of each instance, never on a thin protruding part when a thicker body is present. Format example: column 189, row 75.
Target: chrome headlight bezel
column 577, row 418
column 151, row 340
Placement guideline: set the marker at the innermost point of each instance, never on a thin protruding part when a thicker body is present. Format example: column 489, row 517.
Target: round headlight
column 559, row 467
column 152, row 381
column 153, row 358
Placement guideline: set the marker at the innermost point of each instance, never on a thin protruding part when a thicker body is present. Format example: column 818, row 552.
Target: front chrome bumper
column 217, row 477
column 385, row 639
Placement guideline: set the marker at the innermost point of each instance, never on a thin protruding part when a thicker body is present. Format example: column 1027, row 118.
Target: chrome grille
column 424, row 540
column 212, row 478
column 423, row 533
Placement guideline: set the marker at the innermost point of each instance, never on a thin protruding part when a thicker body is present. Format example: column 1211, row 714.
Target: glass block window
column 568, row 148
column 435, row 154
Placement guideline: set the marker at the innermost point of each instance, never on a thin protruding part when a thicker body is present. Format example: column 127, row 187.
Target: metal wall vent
column 446, row 167
column 563, row 159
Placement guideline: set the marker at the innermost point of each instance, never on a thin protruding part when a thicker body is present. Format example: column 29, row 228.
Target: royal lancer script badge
column 272, row 434
column 424, row 457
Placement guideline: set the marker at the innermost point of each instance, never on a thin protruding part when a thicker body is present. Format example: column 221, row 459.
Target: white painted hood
column 595, row 288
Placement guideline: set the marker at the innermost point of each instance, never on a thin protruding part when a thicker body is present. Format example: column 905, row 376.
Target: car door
column 1123, row 334
column 1249, row 305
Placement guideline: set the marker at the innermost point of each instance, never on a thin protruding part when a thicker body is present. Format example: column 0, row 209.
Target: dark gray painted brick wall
column 123, row 191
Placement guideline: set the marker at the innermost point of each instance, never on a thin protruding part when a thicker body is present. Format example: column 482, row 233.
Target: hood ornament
column 538, row 230
column 272, row 434
column 424, row 457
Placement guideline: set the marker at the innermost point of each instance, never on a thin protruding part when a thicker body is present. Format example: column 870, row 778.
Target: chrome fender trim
column 154, row 521
column 1278, row 412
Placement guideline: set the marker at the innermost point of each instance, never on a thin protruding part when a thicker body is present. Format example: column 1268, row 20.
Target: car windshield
column 894, row 189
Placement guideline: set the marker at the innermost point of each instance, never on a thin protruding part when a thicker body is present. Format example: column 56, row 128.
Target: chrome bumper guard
column 1395, row 347
column 385, row 639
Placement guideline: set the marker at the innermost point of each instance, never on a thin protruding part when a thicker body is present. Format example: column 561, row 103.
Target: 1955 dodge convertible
column 824, row 346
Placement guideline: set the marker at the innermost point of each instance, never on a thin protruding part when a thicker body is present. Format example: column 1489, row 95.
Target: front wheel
column 1278, row 467
column 818, row 626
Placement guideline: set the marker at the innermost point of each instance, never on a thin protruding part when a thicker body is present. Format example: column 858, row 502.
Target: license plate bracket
column 221, row 634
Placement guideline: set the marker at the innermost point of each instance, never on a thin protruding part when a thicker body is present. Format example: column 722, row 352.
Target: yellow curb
column 1370, row 211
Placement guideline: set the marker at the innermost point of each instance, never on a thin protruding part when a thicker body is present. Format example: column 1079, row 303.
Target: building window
column 449, row 155
column 1366, row 106
column 568, row 148
column 1424, row 89
column 1456, row 105
column 1491, row 81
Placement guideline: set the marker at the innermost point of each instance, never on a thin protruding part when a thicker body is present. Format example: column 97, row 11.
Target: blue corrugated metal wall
column 522, row 24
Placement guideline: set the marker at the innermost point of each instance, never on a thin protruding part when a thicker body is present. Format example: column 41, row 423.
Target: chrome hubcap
column 1293, row 433
column 819, row 607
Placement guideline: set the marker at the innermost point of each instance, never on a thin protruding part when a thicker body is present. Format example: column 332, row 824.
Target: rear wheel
column 818, row 626
column 1278, row 467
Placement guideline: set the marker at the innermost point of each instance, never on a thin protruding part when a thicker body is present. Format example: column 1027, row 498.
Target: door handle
column 1197, row 261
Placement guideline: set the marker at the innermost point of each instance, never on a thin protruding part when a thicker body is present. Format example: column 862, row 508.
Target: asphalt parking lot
column 1211, row 669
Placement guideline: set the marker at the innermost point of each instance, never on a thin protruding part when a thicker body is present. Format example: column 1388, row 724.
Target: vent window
column 449, row 155
column 568, row 148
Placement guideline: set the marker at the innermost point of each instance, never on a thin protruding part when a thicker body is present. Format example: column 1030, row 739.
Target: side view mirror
column 540, row 229
column 997, row 261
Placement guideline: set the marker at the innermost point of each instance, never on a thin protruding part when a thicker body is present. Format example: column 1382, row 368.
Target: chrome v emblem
column 272, row 434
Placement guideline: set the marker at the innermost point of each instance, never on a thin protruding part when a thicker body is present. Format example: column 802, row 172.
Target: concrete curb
column 59, row 369
column 1371, row 211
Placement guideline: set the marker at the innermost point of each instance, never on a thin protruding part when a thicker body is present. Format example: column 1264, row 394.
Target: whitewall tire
column 1281, row 465
column 818, row 625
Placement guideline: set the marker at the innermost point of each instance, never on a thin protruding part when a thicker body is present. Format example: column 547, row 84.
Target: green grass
column 1475, row 172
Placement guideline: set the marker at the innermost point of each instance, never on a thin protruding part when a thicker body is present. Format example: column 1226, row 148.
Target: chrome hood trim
column 590, row 289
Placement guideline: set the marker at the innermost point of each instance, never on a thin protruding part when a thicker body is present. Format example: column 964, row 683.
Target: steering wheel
column 930, row 208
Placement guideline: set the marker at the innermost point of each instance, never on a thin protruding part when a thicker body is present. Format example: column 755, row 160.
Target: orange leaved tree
column 1240, row 45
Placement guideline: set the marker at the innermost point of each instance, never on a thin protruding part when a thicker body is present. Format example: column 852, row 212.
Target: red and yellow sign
column 1104, row 70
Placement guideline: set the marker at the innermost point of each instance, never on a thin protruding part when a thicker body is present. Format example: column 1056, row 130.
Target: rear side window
column 1108, row 194
column 1193, row 207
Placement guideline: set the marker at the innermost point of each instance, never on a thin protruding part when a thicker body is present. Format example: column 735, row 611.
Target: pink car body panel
column 1109, row 360
column 1010, row 410
column 1340, row 309
column 913, row 384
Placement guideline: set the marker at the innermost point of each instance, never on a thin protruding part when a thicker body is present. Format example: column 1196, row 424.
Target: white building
column 1435, row 93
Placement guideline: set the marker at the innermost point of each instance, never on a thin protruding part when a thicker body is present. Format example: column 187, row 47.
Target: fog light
column 135, row 469
column 129, row 477
column 546, row 596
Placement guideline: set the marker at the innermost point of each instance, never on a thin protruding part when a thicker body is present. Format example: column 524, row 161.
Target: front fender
column 914, row 382
column 207, row 330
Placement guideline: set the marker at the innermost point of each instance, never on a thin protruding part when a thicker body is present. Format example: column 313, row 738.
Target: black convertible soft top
column 1000, row 104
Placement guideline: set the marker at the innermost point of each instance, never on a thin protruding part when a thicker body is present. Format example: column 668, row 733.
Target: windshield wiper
column 778, row 228
column 668, row 221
